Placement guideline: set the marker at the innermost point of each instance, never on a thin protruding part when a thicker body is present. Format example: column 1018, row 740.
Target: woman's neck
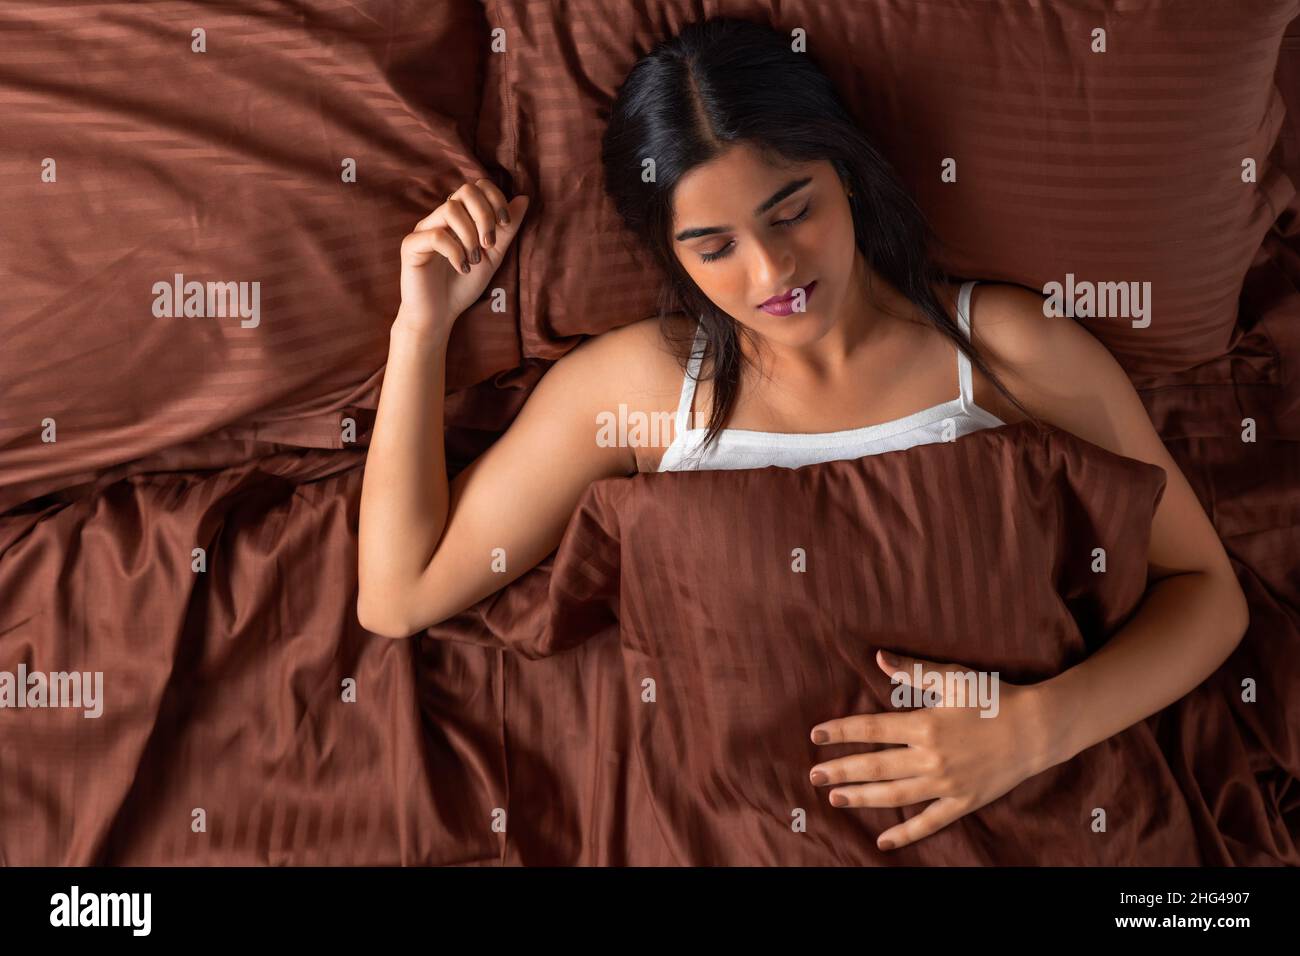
column 872, row 314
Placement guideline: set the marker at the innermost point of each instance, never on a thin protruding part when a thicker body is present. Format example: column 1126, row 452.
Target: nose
column 773, row 265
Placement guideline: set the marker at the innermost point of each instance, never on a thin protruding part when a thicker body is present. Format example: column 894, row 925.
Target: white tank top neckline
column 745, row 448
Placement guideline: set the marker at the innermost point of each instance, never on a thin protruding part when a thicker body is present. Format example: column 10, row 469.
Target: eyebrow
column 788, row 189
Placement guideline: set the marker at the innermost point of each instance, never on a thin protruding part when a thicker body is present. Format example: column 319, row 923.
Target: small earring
column 850, row 192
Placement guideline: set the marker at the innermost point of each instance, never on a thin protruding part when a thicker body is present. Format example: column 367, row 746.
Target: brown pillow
column 221, row 166
column 1122, row 166
column 977, row 552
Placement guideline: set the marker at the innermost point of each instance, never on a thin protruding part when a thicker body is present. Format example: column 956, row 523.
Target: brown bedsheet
column 745, row 660
column 224, row 690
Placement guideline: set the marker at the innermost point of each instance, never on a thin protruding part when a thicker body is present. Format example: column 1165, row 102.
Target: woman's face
column 742, row 248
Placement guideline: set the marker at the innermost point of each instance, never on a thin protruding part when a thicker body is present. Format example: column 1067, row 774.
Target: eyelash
column 711, row 256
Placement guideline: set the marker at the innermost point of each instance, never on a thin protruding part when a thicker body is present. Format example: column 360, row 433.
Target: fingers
column 468, row 220
column 482, row 212
column 497, row 199
column 905, row 777
column 451, row 243
column 890, row 764
column 458, row 219
column 902, row 669
column 486, row 204
column 421, row 246
column 892, row 793
column 912, row 727
column 930, row 820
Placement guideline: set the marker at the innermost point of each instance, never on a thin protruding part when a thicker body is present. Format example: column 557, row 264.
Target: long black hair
column 724, row 81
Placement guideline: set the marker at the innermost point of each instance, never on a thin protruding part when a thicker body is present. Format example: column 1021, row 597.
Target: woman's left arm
column 1192, row 616
column 1188, row 624
column 1194, row 612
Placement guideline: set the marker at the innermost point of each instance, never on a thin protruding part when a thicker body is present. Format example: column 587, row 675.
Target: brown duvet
column 247, row 718
column 749, row 607
column 694, row 746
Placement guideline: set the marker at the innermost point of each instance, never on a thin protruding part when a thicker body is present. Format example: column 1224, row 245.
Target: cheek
column 842, row 223
column 828, row 239
column 723, row 281
column 706, row 278
column 699, row 273
column 840, row 247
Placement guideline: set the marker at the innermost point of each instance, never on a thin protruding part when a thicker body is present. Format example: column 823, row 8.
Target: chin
column 802, row 328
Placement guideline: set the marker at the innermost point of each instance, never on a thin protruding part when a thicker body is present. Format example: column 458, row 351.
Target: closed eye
column 713, row 256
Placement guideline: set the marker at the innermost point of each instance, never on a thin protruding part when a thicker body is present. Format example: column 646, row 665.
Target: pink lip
column 781, row 304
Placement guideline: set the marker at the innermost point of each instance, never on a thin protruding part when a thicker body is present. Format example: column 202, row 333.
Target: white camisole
column 742, row 448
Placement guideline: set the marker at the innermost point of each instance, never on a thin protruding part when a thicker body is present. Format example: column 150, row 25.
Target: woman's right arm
column 427, row 547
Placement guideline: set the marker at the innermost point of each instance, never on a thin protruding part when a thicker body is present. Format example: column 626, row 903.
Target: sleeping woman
column 815, row 326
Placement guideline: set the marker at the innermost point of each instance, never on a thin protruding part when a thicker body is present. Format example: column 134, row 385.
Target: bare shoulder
column 1054, row 365
column 1012, row 335
column 634, row 366
column 1020, row 338
column 618, row 355
column 638, row 357
column 1001, row 309
column 1068, row 378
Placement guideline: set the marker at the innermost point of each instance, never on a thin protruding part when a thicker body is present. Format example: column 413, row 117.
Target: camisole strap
column 965, row 388
column 688, row 383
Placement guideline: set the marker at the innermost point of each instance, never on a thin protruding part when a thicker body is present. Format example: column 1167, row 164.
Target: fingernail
column 889, row 658
column 492, row 238
column 474, row 257
column 839, row 800
column 886, row 844
column 464, row 267
column 503, row 216
column 820, row 736
column 818, row 777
